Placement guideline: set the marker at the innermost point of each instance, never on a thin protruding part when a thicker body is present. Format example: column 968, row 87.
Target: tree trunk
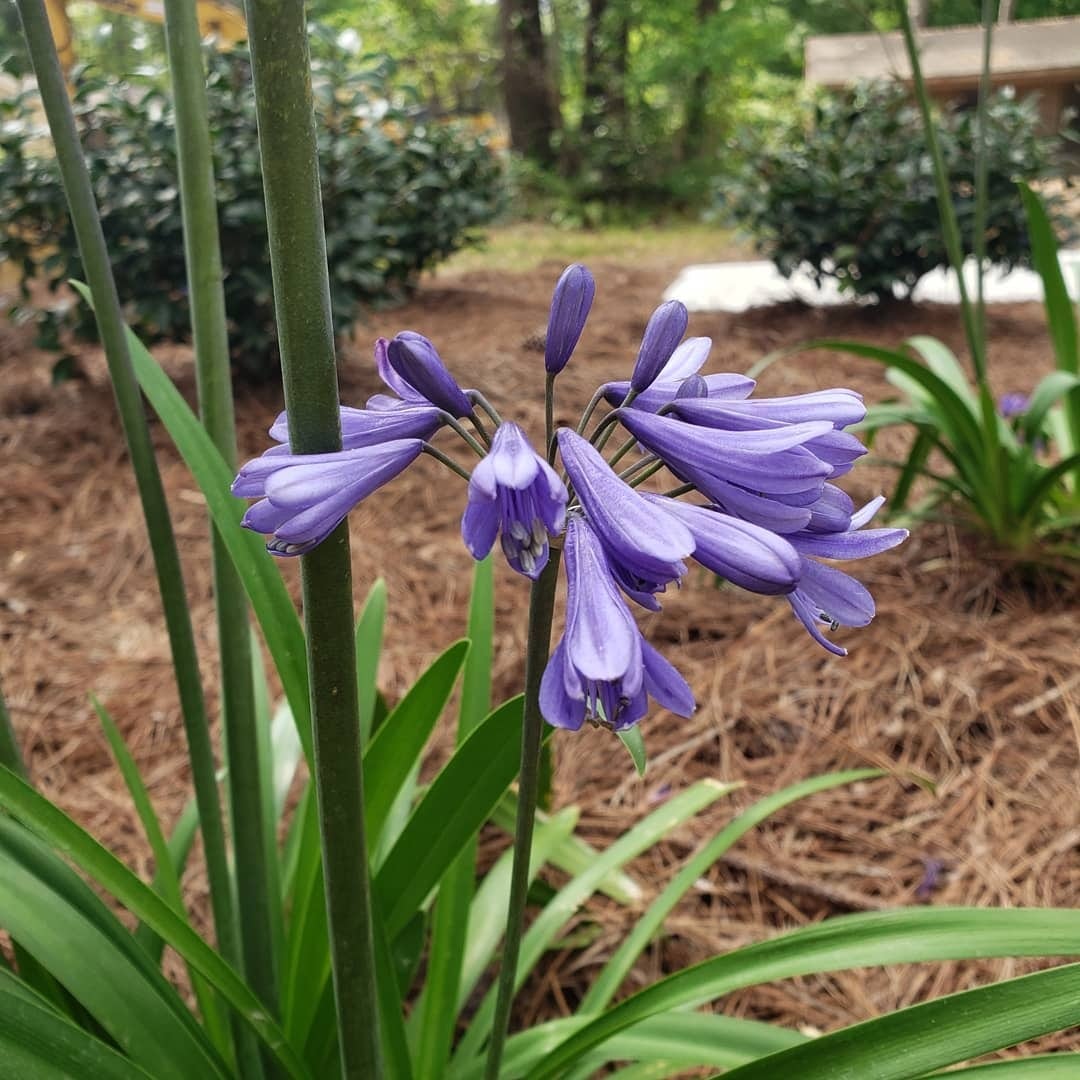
column 527, row 91
column 607, row 43
column 919, row 12
column 1005, row 11
column 694, row 132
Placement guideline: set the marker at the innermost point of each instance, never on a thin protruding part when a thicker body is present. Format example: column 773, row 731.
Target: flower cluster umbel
column 755, row 502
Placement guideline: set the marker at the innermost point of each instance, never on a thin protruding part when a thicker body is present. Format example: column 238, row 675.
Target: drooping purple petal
column 570, row 304
column 416, row 360
column 840, row 407
column 665, row 684
column 516, row 492
column 832, row 511
column 837, row 595
column 849, row 544
column 601, row 635
column 748, row 555
column 806, row 613
column 646, row 542
column 663, row 333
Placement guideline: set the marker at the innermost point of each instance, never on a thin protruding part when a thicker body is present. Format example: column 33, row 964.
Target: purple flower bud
column 570, row 304
column 662, row 336
column 415, row 360
column 693, row 387
column 369, row 427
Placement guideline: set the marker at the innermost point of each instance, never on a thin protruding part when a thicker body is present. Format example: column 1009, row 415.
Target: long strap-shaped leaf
column 549, row 922
column 907, row 936
column 904, row 1045
column 36, row 1041
column 49, row 822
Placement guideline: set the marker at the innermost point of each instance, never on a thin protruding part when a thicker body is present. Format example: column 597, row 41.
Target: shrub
column 848, row 191
column 400, row 193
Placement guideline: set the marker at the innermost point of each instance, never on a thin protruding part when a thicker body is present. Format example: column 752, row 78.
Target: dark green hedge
column 400, row 193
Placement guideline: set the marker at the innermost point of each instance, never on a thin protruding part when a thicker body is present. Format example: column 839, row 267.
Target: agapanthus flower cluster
column 754, row 498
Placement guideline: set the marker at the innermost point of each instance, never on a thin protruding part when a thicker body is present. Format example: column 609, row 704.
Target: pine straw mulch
column 968, row 677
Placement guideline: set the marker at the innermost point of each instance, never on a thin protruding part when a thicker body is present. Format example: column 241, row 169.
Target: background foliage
column 400, row 193
column 846, row 189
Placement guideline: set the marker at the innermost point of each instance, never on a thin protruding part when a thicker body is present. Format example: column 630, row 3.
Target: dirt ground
column 968, row 677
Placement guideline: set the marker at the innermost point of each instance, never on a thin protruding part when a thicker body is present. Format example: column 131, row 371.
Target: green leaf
column 851, row 941
column 545, row 927
column 135, row 1005
column 269, row 598
column 904, row 1045
column 457, row 803
column 1062, row 1066
column 607, row 983
column 634, row 742
column 36, row 1043
column 50, row 823
column 573, row 855
column 1060, row 317
column 399, row 743
column 1051, row 389
column 166, row 882
column 434, row 1015
column 487, row 915
column 369, row 635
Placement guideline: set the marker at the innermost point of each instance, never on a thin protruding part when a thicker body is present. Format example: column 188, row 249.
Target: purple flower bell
column 417, row 363
column 304, row 497
column 602, row 670
column 645, row 546
column 369, row 427
column 570, row 304
column 516, row 493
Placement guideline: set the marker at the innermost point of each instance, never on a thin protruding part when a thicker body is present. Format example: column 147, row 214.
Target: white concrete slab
column 737, row 286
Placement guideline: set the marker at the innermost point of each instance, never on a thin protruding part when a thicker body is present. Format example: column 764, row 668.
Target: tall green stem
column 284, row 107
column 541, row 609
column 950, row 228
column 95, row 260
column 202, row 252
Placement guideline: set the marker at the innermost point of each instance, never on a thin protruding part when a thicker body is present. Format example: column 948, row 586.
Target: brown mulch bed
column 968, row 677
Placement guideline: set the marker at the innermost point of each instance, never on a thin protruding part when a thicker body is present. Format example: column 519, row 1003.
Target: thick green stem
column 284, row 108
column 10, row 755
column 254, row 950
column 541, row 609
column 95, row 260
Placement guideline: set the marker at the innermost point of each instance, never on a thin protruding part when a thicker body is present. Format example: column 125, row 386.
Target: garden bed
column 966, row 686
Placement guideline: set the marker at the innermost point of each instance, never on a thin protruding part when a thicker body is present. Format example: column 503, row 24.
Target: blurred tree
column 528, row 95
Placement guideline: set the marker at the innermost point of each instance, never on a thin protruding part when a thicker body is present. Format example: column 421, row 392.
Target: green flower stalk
column 95, row 259
column 10, row 756
column 202, row 251
column 282, row 72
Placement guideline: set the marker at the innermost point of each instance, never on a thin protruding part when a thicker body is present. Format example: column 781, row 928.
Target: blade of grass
column 369, row 635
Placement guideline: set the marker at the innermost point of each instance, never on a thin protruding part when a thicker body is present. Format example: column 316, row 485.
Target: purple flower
column 304, row 497
column 602, row 670
column 1012, row 404
column 570, row 304
column 827, row 596
column 369, row 427
column 686, row 360
column 644, row 545
column 662, row 334
column 414, row 359
column 770, row 462
column 838, row 448
column 745, row 554
column 516, row 492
